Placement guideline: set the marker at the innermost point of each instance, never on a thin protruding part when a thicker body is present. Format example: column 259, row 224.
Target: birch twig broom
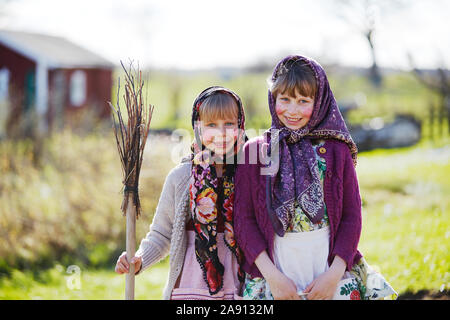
column 131, row 138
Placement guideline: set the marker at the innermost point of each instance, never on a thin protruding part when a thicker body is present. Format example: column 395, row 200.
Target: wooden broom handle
column 130, row 246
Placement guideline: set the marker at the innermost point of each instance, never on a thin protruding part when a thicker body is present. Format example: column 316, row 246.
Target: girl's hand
column 323, row 287
column 122, row 265
column 282, row 287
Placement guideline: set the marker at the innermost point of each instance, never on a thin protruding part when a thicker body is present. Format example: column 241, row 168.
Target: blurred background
column 60, row 176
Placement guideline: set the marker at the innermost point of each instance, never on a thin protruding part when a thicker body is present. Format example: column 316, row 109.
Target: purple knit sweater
column 252, row 225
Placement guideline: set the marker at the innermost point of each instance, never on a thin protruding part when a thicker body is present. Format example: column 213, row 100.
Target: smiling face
column 219, row 135
column 294, row 111
column 219, row 123
column 294, row 89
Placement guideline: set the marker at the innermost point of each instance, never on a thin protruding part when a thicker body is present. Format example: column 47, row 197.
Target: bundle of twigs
column 131, row 138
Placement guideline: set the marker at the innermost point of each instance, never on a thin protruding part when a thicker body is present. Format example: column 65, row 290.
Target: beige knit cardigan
column 167, row 233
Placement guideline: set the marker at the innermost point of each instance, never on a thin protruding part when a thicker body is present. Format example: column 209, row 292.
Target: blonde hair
column 219, row 105
column 294, row 77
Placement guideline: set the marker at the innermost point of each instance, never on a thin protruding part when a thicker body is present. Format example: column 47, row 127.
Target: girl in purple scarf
column 298, row 208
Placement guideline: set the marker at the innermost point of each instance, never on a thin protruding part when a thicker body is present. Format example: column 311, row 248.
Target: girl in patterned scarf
column 298, row 214
column 196, row 225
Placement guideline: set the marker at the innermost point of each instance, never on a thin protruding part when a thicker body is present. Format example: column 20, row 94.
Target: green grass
column 406, row 215
column 59, row 283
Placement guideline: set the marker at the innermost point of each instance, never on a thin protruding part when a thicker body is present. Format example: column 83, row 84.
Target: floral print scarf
column 203, row 197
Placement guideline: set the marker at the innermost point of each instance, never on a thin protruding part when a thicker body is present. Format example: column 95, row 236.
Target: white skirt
column 303, row 256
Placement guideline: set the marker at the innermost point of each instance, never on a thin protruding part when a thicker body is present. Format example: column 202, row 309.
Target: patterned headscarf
column 203, row 196
column 296, row 175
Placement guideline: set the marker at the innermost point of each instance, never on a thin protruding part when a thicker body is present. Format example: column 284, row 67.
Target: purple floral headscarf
column 296, row 175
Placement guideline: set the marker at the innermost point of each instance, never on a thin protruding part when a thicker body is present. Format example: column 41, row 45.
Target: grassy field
column 59, row 283
column 76, row 221
column 406, row 216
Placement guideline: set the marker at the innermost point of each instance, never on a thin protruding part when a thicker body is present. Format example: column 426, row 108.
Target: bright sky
column 202, row 34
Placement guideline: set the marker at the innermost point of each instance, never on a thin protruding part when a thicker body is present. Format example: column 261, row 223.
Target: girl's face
column 294, row 112
column 219, row 135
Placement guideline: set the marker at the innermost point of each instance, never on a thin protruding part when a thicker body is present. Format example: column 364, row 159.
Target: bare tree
column 364, row 16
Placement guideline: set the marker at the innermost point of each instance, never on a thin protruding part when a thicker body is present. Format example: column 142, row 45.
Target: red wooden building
column 52, row 76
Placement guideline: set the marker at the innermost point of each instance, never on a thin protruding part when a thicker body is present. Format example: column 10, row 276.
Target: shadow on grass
column 425, row 295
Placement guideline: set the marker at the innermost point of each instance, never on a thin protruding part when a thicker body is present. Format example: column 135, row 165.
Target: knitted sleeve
column 350, row 225
column 156, row 244
column 248, row 235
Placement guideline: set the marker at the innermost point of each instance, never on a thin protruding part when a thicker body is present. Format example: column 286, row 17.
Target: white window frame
column 78, row 88
column 4, row 84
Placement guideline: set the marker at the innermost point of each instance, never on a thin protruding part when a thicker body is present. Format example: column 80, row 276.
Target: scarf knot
column 295, row 136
